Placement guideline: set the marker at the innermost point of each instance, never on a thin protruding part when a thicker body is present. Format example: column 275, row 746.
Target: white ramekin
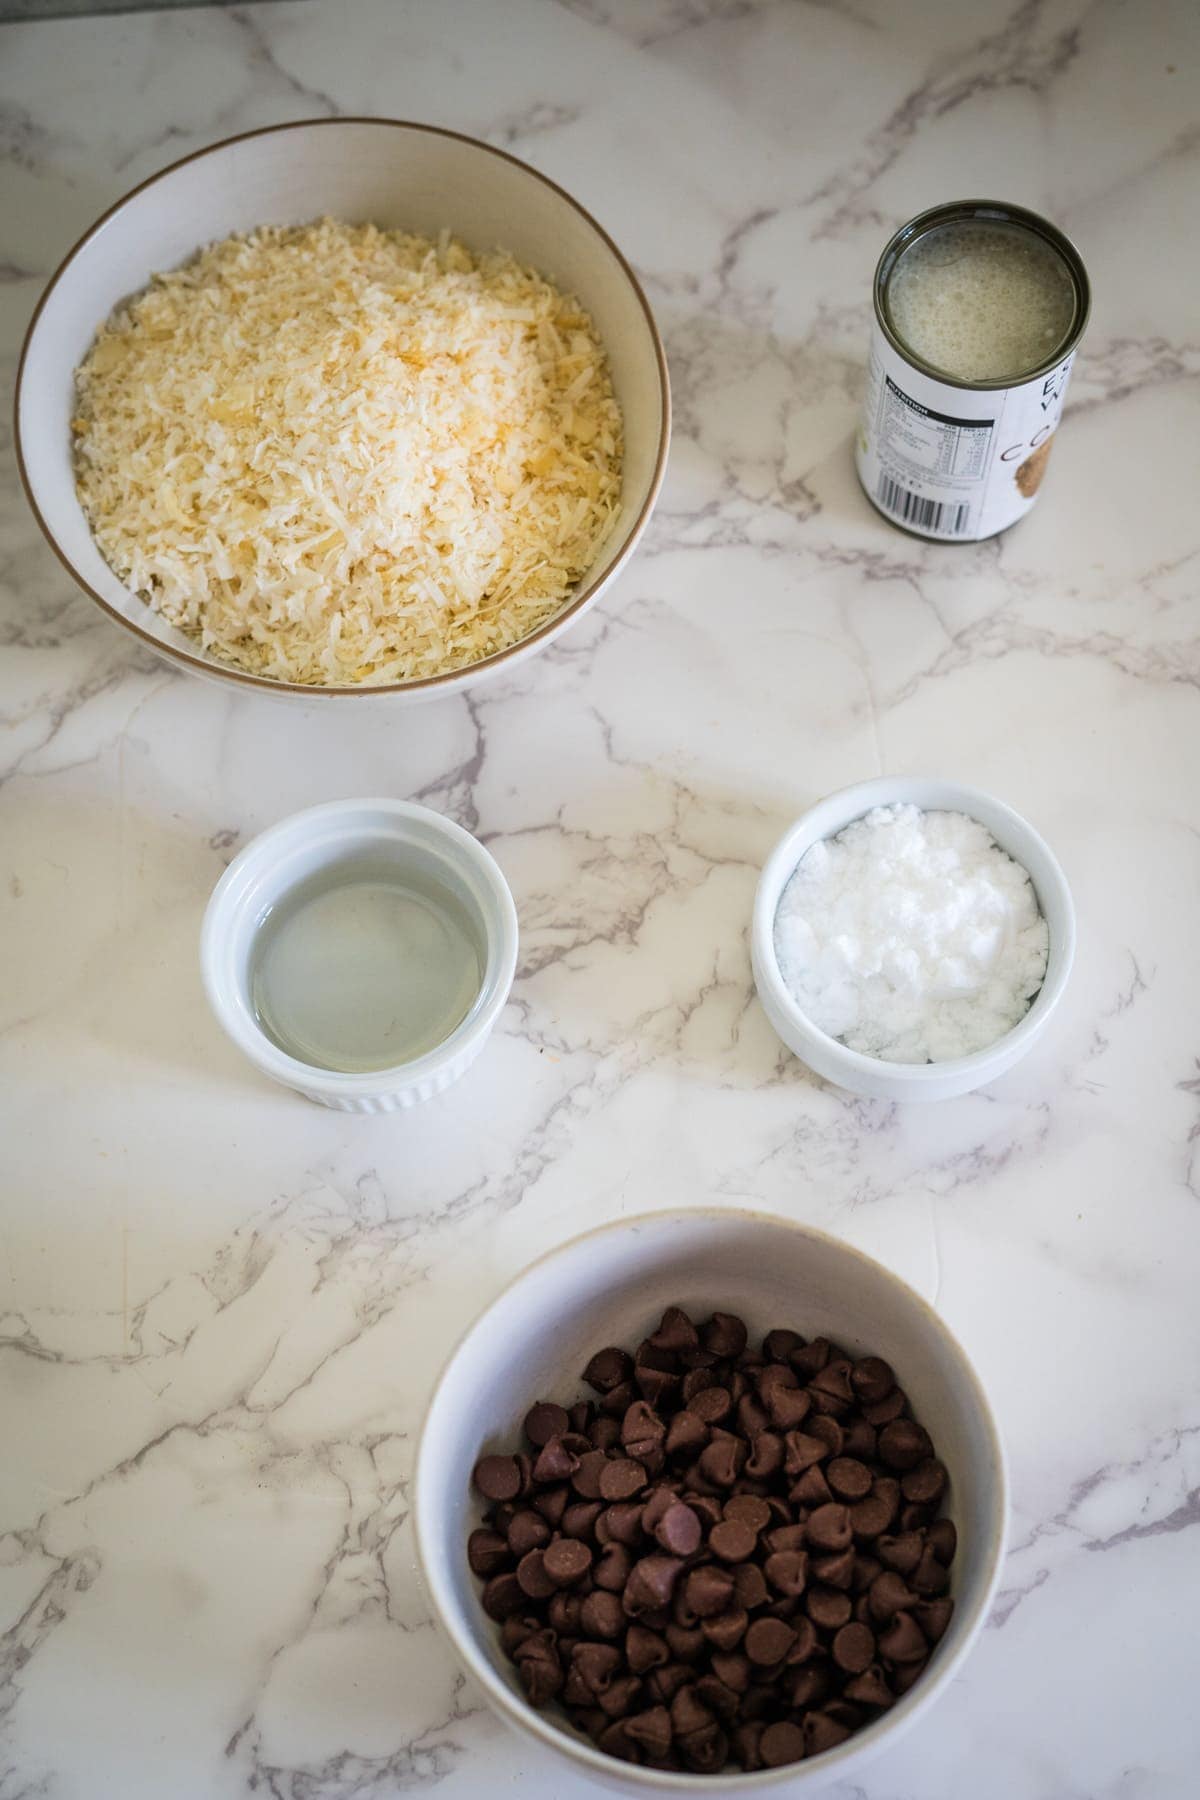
column 871, row 1075
column 273, row 864
column 610, row 1287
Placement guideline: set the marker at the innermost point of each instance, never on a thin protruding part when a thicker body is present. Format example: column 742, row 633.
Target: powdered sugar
column 911, row 936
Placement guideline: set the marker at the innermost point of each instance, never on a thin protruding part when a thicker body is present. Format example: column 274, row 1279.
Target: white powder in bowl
column 911, row 936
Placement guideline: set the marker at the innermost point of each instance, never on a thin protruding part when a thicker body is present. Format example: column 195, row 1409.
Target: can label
column 955, row 463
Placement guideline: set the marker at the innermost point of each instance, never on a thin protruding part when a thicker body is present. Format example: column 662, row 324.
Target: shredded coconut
column 335, row 454
column 911, row 936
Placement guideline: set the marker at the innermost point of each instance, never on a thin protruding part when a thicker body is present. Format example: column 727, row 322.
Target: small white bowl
column 389, row 172
column 610, row 1287
column 273, row 864
column 871, row 1075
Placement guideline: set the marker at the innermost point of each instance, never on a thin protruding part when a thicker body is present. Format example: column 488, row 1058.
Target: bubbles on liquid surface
column 981, row 300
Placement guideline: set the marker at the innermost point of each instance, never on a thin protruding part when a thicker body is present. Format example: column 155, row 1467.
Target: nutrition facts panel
column 937, row 443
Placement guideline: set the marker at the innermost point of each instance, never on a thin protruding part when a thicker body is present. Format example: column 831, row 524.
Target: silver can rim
column 1000, row 212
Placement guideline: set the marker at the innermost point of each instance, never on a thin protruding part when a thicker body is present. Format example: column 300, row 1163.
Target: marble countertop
column 221, row 1308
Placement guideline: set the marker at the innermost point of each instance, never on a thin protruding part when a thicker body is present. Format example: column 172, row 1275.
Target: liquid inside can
column 979, row 309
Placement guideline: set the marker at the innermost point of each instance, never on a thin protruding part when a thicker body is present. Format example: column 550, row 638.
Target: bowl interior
column 428, row 849
column 611, row 1287
column 360, row 170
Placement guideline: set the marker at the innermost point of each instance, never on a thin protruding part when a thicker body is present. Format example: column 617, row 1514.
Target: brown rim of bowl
column 267, row 683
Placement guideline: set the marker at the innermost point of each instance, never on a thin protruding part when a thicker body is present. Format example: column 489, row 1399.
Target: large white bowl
column 872, row 1075
column 396, row 174
column 610, row 1287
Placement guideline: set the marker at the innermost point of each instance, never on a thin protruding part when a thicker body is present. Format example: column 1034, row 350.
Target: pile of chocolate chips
column 731, row 1555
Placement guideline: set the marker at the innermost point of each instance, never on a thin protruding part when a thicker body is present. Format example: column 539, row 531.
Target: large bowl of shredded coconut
column 346, row 406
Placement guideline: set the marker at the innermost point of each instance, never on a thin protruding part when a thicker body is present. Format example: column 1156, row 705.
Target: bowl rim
column 832, row 1764
column 855, row 801
column 425, row 684
column 229, row 897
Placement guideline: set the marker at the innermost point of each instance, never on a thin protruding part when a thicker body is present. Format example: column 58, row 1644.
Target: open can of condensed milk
column 979, row 309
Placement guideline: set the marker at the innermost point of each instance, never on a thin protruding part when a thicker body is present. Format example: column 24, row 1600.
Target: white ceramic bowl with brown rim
column 611, row 1287
column 392, row 173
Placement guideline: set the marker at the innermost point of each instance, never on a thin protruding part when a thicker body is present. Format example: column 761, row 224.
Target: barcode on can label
column 921, row 513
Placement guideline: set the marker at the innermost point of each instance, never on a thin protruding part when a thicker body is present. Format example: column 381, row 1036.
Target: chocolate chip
column 823, row 1426
column 766, row 1458
column 721, row 1460
column 849, row 1479
column 801, row 1451
column 901, row 1553
column 870, row 1688
column 543, row 1680
column 679, row 1530
column 768, row 1641
column 859, row 1439
column 854, row 1648
column 497, row 1477
column 727, row 1629
column 811, row 1358
column 586, row 1478
column 641, row 1424
column 823, row 1733
column 870, row 1517
column 812, row 1489
column 615, row 1740
column 607, row 1369
column 666, row 1682
column 734, row 1668
column 566, row 1561
column 785, row 1537
column 789, row 1407
column 487, row 1551
column 752, row 1416
column 781, row 1743
column 829, row 1527
column 732, row 1541
column 903, row 1641
column 926, row 1483
column 888, row 1595
column 833, row 1383
column 565, row 1613
column 704, row 1751
column 749, row 1586
column 686, row 1434
column 904, row 1674
column 650, row 1730
column 675, row 1332
column 654, row 1384
column 724, row 1334
column 787, row 1571
column 930, row 1575
column 612, row 1568
column 709, row 1591
column 872, row 1379
column 645, row 1650
column 688, row 1711
column 531, row 1573
column 602, row 1615
column 933, row 1616
column 836, row 1570
column 651, row 1583
column 810, row 1685
column 621, row 1479
column 686, row 1644
column 747, row 1737
column 882, row 1412
column 552, row 1504
column 903, row 1444
column 719, row 1699
column 503, row 1595
column 527, row 1531
column 544, row 1421
column 942, row 1539
column 712, row 1405
column 827, row 1607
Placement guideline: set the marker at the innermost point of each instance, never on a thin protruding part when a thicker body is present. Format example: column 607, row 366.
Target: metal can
column 961, row 459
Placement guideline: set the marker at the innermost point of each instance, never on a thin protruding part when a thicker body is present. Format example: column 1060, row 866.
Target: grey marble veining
column 221, row 1309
